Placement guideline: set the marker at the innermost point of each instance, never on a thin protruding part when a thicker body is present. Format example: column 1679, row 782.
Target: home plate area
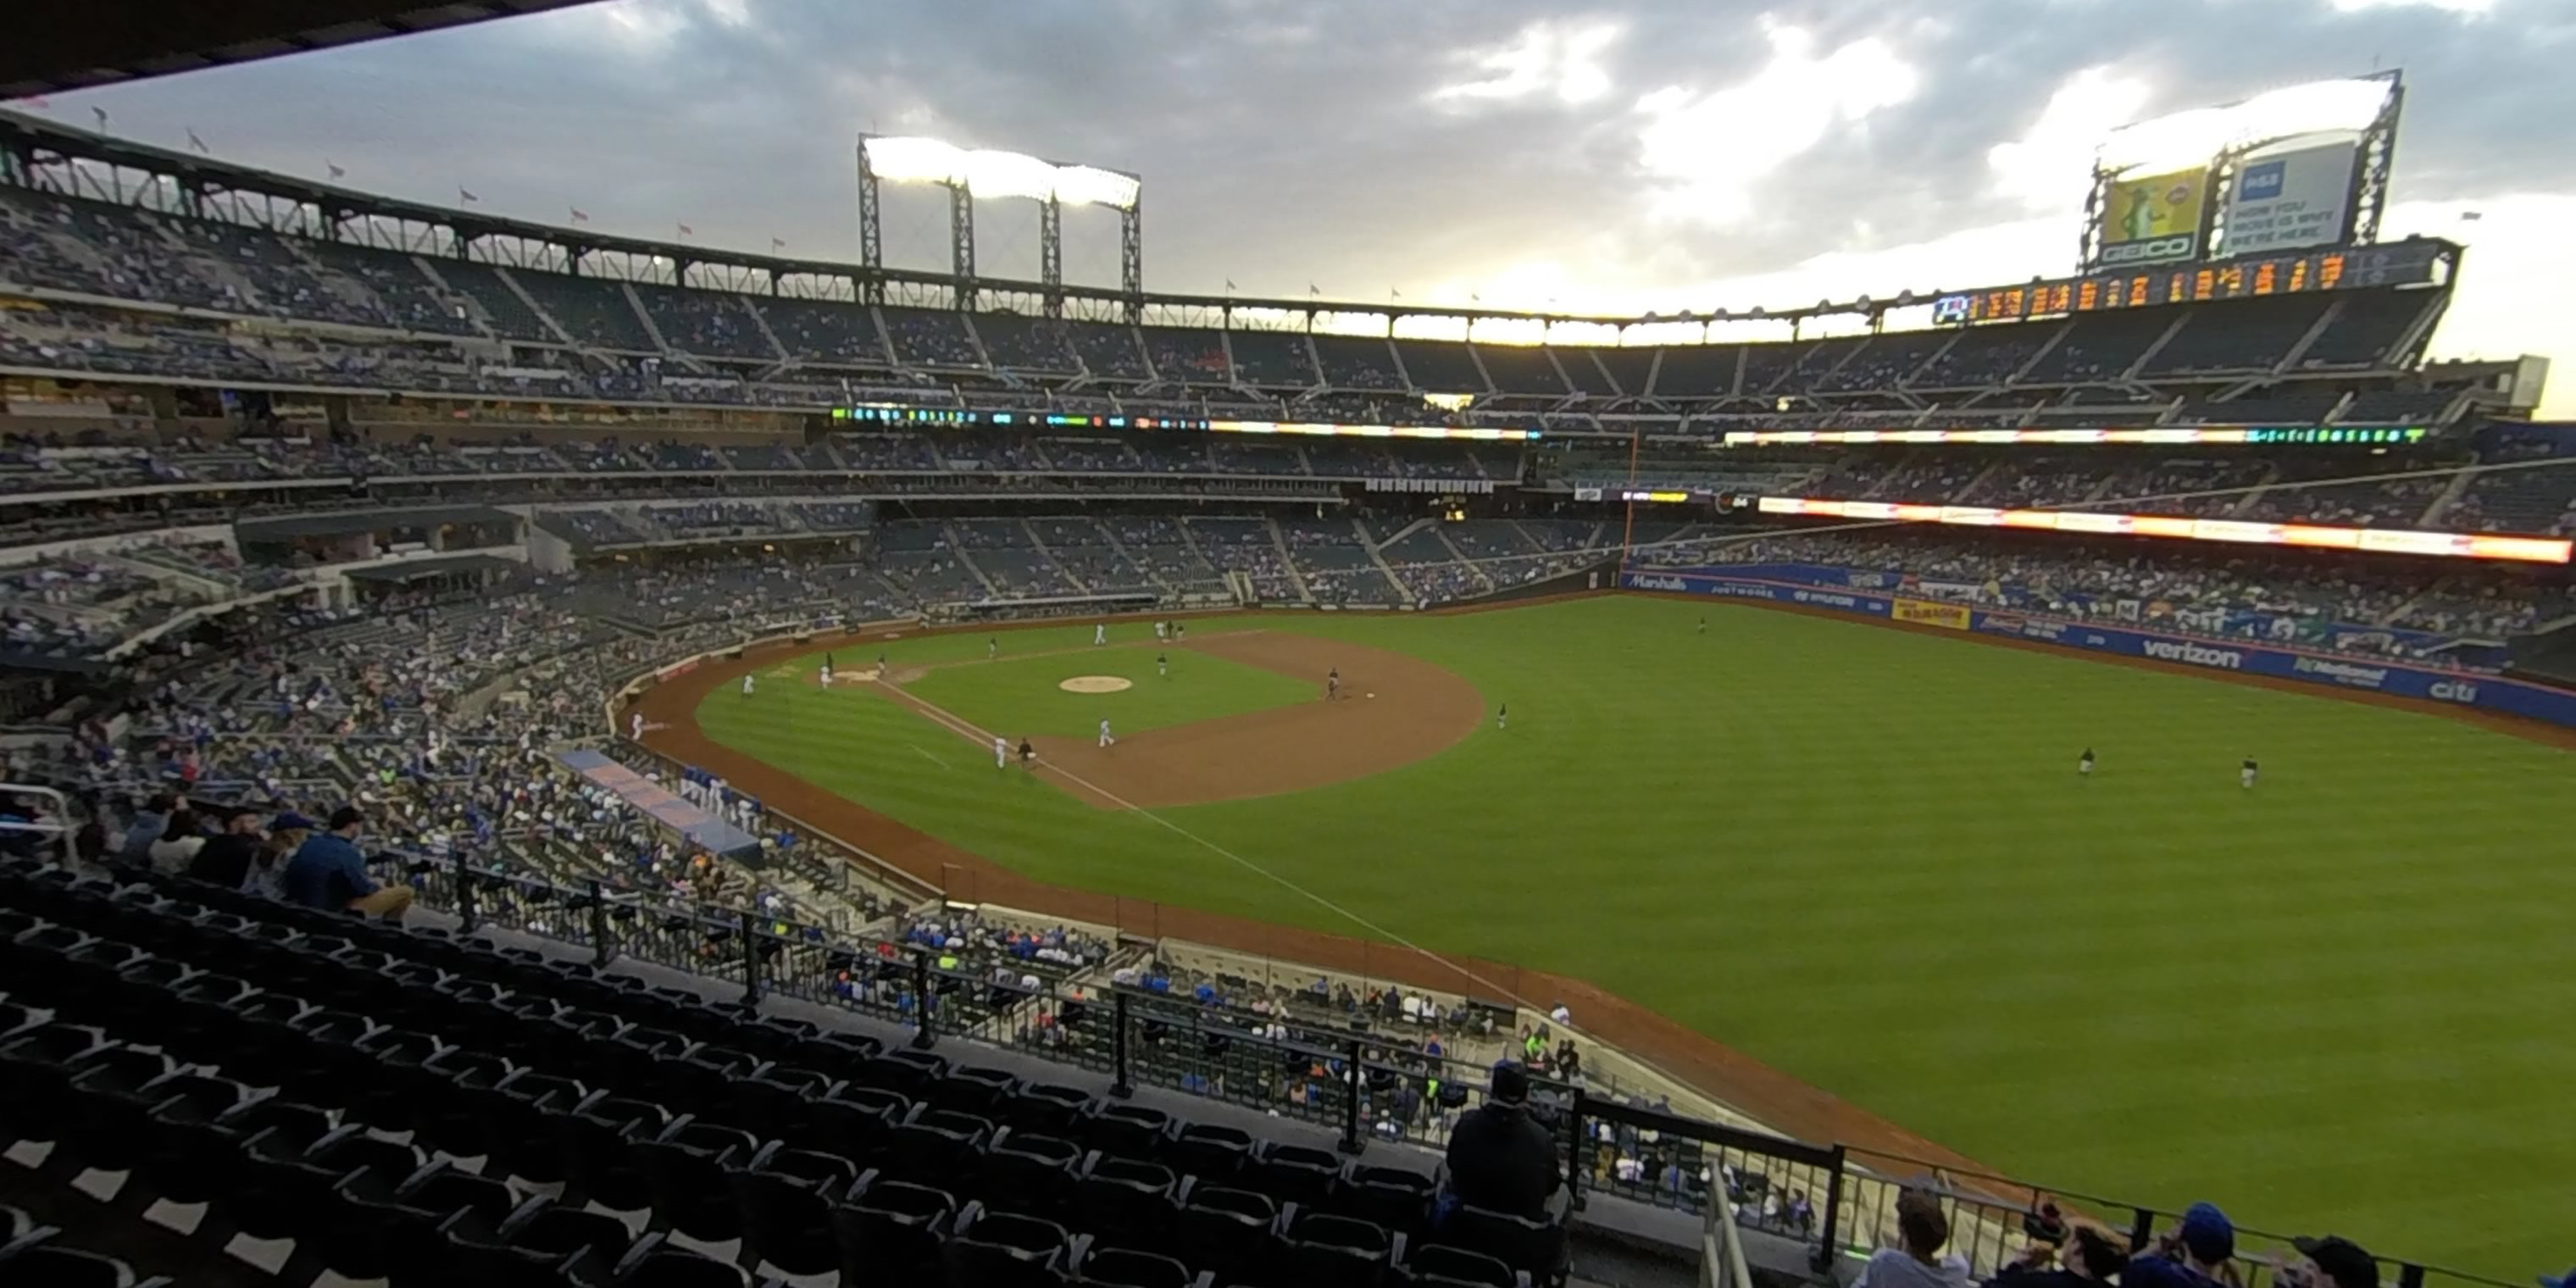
column 1420, row 711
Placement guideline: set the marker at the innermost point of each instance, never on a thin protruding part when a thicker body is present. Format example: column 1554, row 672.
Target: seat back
column 1537, row 1247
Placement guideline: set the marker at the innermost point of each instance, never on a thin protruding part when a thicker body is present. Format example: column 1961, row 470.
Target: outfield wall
column 2229, row 656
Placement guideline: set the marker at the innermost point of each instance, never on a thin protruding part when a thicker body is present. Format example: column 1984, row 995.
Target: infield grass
column 1022, row 695
column 1864, row 856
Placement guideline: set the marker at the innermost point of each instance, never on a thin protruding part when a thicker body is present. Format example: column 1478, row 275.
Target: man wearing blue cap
column 2194, row 1255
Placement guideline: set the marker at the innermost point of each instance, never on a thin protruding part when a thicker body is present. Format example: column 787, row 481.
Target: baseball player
column 1100, row 632
column 827, row 670
column 1180, row 631
column 881, row 667
column 2245, row 773
column 992, row 647
column 1028, row 754
column 2084, row 763
column 1703, row 626
column 1162, row 630
column 635, row 727
column 1332, row 684
column 1163, row 665
column 1502, row 717
column 1001, row 752
column 1105, row 739
column 746, row 686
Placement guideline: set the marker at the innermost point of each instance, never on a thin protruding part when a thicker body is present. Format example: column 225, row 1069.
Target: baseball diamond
column 1723, row 780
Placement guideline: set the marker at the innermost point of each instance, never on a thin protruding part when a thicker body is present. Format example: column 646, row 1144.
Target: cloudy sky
column 1628, row 155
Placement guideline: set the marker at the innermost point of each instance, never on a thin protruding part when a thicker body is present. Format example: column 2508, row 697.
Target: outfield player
column 1105, row 739
column 1001, row 752
column 1502, row 717
column 1100, row 632
column 746, row 685
column 2245, row 772
column 992, row 647
column 1163, row 665
column 1703, row 626
column 2084, row 763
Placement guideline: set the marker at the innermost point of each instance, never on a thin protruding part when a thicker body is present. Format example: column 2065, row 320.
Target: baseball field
column 1861, row 856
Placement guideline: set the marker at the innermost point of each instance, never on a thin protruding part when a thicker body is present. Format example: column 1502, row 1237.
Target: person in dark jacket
column 1500, row 1157
column 226, row 858
column 2088, row 1255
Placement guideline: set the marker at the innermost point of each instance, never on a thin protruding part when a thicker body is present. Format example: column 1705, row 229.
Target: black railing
column 1835, row 1199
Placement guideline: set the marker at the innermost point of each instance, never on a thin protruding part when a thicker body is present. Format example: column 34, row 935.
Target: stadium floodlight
column 985, row 172
column 972, row 174
column 2192, row 137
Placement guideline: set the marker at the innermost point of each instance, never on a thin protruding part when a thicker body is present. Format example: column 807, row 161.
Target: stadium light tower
column 970, row 174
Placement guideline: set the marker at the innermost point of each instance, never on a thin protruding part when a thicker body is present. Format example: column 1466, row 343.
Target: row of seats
column 34, row 1254
column 399, row 1102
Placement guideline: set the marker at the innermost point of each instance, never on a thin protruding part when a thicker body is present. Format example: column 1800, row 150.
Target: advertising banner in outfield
column 1926, row 613
column 2289, row 200
column 2237, row 657
column 2155, row 218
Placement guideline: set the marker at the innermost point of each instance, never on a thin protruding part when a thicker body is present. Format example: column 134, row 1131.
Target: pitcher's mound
column 1096, row 684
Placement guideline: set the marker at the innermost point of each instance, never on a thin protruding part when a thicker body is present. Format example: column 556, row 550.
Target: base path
column 1392, row 710
column 1694, row 1058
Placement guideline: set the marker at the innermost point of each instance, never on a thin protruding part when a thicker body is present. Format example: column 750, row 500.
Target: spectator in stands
column 227, row 858
column 2088, row 1254
column 1923, row 1228
column 146, row 827
column 330, row 871
column 2336, row 1262
column 2191, row 1255
column 286, row 835
column 1500, row 1157
column 179, row 842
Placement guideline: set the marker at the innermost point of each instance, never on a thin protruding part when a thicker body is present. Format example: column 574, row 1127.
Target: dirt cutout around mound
column 1390, row 711
column 1785, row 1102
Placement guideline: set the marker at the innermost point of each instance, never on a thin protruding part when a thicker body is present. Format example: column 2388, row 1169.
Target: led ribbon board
column 2371, row 436
column 2385, row 541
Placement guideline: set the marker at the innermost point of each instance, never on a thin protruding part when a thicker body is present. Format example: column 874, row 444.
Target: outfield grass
column 1019, row 695
column 1864, row 856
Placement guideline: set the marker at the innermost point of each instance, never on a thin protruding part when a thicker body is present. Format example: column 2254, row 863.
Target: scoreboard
column 2409, row 263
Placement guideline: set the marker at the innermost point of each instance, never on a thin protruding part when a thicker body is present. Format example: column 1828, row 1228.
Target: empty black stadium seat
column 1323, row 1248
column 1126, row 1200
column 1128, row 1131
column 1230, row 1233
column 1537, row 1248
column 890, row 1232
column 1031, row 1174
column 783, row 1199
column 1129, row 1268
column 685, row 1165
column 1299, row 1174
column 1212, row 1153
column 1435, row 1265
column 1007, row 1250
column 654, row 1262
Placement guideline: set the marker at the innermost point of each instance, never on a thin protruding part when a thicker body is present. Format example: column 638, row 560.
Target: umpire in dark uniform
column 1501, row 1157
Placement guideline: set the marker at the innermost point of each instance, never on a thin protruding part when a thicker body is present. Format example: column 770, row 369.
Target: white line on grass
column 925, row 755
column 979, row 737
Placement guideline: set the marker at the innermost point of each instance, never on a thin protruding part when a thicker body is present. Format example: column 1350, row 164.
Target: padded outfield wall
column 1832, row 589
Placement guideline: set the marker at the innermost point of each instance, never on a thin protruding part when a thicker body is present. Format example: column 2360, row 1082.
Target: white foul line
column 979, row 737
column 927, row 756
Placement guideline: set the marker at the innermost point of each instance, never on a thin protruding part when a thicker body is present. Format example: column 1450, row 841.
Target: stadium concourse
column 299, row 523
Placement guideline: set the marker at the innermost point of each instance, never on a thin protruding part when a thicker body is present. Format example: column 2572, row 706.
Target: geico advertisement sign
column 2154, row 250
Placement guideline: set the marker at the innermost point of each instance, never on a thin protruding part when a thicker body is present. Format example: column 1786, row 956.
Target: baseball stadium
column 540, row 757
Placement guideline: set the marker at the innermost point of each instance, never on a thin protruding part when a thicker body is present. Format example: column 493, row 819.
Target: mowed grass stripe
column 1864, row 856
column 1023, row 695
